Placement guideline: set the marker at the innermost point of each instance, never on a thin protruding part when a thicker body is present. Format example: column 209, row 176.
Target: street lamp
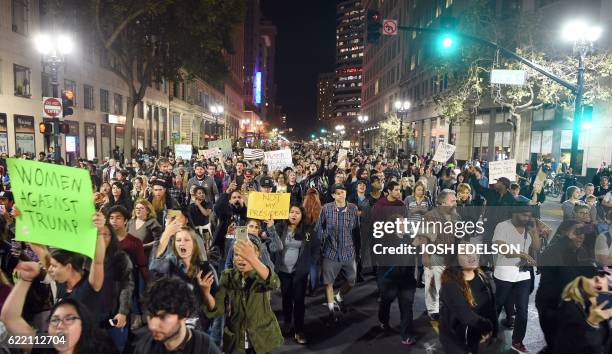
column 53, row 49
column 582, row 35
column 401, row 107
column 362, row 119
column 217, row 111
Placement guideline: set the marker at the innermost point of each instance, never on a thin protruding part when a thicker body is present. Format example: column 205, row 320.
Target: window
column 449, row 3
column 47, row 87
column 20, row 16
column 88, row 99
column 104, row 107
column 71, row 85
column 118, row 104
column 140, row 110
column 549, row 114
column 499, row 118
column 22, row 80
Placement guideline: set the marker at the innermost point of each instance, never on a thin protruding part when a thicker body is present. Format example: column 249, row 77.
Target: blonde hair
column 464, row 187
column 150, row 212
column 196, row 256
column 574, row 291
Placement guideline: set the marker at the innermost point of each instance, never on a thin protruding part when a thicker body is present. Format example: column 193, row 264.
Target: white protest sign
column 504, row 168
column 210, row 153
column 342, row 157
column 278, row 159
column 444, row 152
column 225, row 145
column 183, row 150
column 346, row 144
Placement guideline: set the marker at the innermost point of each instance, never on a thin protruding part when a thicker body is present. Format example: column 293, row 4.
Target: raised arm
column 96, row 275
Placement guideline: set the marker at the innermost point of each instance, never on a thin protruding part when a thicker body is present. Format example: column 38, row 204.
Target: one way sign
column 389, row 27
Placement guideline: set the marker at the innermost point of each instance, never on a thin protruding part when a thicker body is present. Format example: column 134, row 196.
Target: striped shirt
column 335, row 230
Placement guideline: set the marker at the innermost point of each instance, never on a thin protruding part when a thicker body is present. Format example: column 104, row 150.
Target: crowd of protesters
column 179, row 267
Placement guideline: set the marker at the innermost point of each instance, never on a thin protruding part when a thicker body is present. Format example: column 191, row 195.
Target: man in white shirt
column 513, row 272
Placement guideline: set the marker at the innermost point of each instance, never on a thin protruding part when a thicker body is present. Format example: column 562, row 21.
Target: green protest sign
column 56, row 205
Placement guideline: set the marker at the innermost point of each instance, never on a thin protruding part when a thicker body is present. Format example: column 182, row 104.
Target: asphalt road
column 358, row 333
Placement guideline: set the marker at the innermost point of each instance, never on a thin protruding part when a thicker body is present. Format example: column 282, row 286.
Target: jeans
column 293, row 290
column 547, row 313
column 390, row 290
column 519, row 292
column 433, row 274
column 314, row 276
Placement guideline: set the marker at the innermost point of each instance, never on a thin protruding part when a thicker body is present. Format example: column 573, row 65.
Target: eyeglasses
column 68, row 320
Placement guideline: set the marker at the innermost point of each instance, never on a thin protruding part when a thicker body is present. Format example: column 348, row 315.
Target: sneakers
column 384, row 327
column 519, row 348
column 300, row 338
column 408, row 341
column 340, row 306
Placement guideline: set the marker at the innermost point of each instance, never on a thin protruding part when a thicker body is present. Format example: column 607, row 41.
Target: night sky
column 305, row 47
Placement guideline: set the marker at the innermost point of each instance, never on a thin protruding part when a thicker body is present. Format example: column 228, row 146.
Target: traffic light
column 67, row 102
column 374, row 26
column 447, row 41
column 45, row 128
column 587, row 117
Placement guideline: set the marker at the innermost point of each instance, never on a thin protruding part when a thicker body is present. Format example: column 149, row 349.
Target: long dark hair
column 122, row 197
column 92, row 340
column 453, row 273
column 299, row 228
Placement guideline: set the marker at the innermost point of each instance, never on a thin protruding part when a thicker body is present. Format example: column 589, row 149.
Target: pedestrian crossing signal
column 67, row 102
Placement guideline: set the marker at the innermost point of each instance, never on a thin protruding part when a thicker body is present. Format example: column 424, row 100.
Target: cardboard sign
column 56, row 205
column 346, row 144
column 263, row 205
column 278, row 159
column 210, row 153
column 444, row 152
column 183, row 150
column 342, row 158
column 504, row 168
column 225, row 145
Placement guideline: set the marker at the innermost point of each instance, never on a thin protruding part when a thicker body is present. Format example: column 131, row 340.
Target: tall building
column 325, row 97
column 382, row 64
column 234, row 84
column 350, row 32
column 268, row 55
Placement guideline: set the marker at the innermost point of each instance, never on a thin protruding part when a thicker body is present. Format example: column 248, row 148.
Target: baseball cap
column 337, row 186
column 267, row 182
column 8, row 195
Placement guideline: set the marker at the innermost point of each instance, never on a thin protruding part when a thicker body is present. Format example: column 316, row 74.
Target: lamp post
column 53, row 50
column 217, row 111
column 362, row 119
column 583, row 36
column 401, row 107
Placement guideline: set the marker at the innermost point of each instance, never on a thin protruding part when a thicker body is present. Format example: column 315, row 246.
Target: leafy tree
column 469, row 83
column 147, row 40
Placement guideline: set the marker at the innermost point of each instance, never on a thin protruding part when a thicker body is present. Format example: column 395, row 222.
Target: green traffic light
column 447, row 42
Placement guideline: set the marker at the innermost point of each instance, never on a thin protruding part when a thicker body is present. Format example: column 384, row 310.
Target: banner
column 342, row 158
column 225, row 145
column 504, row 168
column 253, row 154
column 444, row 152
column 210, row 153
column 278, row 159
column 183, row 150
column 56, row 205
column 265, row 206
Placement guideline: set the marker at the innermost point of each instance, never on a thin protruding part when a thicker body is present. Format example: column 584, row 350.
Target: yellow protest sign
column 262, row 205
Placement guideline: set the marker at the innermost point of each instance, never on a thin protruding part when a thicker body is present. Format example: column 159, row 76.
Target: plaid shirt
column 335, row 230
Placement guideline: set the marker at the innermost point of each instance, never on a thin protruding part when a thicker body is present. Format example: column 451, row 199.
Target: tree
column 150, row 40
column 388, row 133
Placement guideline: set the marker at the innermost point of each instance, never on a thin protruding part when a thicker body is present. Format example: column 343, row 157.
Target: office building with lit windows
column 350, row 33
column 325, row 97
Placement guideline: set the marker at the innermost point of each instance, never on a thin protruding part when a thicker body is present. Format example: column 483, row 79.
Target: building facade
column 325, row 97
column 350, row 32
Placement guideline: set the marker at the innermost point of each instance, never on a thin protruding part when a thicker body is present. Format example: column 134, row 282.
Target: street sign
column 389, row 27
column 52, row 107
column 508, row 77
